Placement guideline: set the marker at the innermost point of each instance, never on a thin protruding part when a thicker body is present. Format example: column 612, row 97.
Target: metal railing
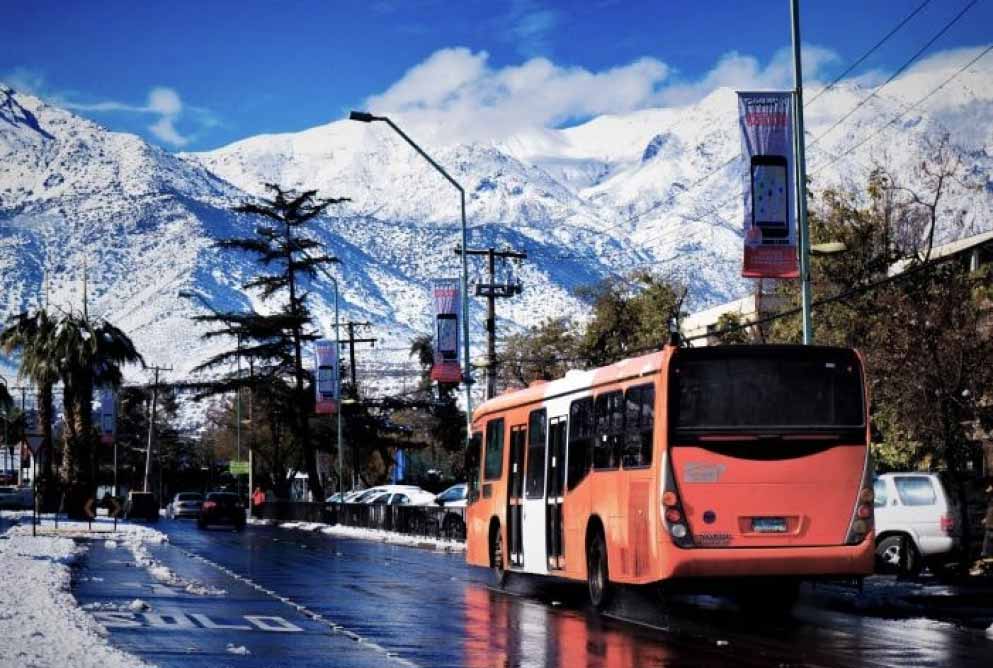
column 429, row 521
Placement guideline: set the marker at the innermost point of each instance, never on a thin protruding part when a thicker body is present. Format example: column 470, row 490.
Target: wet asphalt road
column 305, row 599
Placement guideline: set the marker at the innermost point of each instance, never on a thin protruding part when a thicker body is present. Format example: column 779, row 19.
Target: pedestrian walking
column 258, row 498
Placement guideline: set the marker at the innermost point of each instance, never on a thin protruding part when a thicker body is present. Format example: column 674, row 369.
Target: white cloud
column 744, row 72
column 457, row 90
column 163, row 102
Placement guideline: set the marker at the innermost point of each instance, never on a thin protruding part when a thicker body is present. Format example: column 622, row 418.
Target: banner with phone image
column 447, row 297
column 769, row 185
column 326, row 376
column 107, row 416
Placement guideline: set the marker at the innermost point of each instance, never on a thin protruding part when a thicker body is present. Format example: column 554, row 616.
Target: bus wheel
column 496, row 555
column 597, row 574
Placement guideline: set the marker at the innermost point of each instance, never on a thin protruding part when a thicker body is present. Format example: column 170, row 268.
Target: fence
column 428, row 521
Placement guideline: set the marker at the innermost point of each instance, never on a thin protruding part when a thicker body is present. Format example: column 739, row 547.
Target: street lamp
column 337, row 349
column 366, row 117
column 829, row 248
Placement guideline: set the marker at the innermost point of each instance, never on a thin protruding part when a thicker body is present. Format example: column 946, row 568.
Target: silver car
column 185, row 504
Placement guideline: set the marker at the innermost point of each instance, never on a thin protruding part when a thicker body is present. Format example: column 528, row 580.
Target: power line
column 870, row 137
column 728, row 162
column 897, row 73
column 868, row 53
column 905, row 111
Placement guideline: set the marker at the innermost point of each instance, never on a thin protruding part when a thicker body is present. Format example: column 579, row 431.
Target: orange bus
column 744, row 465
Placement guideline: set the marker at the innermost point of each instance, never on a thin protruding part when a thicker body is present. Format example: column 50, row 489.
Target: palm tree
column 31, row 333
column 88, row 354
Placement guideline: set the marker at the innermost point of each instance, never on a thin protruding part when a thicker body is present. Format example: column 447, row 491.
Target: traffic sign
column 238, row 468
column 34, row 442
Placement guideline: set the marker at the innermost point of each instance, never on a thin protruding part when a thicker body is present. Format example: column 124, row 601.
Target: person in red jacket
column 258, row 498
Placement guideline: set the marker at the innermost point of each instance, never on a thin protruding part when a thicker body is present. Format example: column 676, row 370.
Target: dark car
column 222, row 508
column 141, row 506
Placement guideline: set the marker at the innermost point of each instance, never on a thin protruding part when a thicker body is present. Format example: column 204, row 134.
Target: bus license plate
column 769, row 524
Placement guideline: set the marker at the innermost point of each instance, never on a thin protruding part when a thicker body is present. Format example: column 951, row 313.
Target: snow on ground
column 42, row 623
column 341, row 531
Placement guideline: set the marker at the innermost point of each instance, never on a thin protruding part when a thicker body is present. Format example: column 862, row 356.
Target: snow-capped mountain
column 657, row 188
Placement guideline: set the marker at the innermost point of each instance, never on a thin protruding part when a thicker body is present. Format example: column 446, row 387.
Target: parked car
column 914, row 511
column 141, row 506
column 185, row 504
column 456, row 496
column 16, row 498
column 222, row 508
column 454, row 500
column 401, row 495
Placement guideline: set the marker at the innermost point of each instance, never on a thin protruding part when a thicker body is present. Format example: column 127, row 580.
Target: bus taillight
column 862, row 518
column 673, row 517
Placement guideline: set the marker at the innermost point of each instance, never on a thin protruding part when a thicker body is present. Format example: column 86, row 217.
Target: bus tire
column 597, row 571
column 496, row 554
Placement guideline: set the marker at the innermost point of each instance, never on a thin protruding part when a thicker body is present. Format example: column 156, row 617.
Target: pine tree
column 275, row 341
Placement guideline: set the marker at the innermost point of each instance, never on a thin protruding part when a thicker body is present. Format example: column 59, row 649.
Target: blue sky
column 198, row 75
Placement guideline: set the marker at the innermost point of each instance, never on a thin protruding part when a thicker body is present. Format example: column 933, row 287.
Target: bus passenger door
column 515, row 497
column 533, row 515
column 555, row 473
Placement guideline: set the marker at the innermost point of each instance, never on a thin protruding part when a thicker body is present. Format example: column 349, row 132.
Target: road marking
column 182, row 622
column 206, row 623
column 302, row 609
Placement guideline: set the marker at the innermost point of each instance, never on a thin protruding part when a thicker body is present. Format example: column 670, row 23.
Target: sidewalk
column 43, row 624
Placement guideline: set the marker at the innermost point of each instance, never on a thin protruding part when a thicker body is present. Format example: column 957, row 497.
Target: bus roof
column 633, row 367
column 574, row 381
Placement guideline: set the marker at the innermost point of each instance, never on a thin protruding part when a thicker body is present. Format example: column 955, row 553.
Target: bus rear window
column 775, row 388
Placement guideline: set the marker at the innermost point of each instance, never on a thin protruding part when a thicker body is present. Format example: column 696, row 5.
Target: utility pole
column 801, row 177
column 350, row 342
column 493, row 291
column 151, row 423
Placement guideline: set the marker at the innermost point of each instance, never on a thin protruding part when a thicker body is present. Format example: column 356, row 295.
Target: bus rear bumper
column 812, row 562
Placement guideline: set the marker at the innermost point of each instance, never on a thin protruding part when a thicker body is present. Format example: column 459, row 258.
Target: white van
column 916, row 510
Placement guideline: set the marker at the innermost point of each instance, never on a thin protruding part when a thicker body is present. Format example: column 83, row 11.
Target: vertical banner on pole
column 769, row 185
column 446, row 295
column 108, row 415
column 326, row 376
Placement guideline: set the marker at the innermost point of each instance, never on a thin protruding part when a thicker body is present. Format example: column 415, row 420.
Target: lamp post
column 366, row 117
column 337, row 373
column 801, row 178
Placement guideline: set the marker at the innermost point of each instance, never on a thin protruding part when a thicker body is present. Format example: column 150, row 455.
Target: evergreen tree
column 275, row 341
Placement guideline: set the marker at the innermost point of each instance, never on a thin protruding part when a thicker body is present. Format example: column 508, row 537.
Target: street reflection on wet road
column 430, row 609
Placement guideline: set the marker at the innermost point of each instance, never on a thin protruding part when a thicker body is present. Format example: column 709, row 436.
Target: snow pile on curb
column 162, row 573
column 341, row 531
column 42, row 623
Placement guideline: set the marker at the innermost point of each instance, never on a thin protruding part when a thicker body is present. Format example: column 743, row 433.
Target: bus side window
column 581, row 435
column 609, row 430
column 640, row 422
column 535, row 478
column 493, row 462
